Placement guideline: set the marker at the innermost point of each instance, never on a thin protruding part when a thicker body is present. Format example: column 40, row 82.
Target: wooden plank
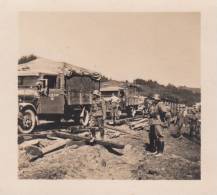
column 26, row 137
column 35, row 152
column 29, row 143
column 59, row 144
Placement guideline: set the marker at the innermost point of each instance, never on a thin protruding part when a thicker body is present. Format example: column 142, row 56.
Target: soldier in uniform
column 156, row 131
column 194, row 121
column 114, row 105
column 180, row 122
column 152, row 133
column 97, row 115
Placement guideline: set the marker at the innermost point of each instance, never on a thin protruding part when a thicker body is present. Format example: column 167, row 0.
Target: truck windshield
column 27, row 81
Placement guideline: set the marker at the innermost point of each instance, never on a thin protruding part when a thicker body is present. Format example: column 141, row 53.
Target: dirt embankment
column 180, row 161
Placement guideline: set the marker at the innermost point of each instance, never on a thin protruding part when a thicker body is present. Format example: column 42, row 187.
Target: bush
column 25, row 59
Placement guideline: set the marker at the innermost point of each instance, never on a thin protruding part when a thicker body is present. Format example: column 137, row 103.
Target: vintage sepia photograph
column 109, row 96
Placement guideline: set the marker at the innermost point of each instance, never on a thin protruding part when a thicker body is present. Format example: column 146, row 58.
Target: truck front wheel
column 28, row 121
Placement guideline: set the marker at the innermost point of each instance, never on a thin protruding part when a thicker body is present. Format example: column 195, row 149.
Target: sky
column 164, row 47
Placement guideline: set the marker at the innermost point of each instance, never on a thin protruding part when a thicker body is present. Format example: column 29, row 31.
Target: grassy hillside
column 181, row 95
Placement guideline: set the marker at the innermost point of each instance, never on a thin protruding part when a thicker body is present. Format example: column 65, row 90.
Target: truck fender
column 23, row 106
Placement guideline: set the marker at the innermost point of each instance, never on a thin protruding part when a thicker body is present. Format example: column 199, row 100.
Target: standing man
column 152, row 132
column 156, row 131
column 97, row 115
column 180, row 121
column 114, row 105
column 168, row 115
column 193, row 120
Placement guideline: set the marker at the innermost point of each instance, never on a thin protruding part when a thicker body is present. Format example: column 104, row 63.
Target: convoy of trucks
column 52, row 91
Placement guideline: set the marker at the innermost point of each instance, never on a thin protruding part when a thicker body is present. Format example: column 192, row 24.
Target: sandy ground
column 181, row 160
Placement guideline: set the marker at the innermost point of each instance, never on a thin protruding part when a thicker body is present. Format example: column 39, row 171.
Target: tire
column 28, row 121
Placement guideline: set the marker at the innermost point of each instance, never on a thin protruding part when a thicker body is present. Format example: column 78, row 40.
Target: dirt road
column 180, row 161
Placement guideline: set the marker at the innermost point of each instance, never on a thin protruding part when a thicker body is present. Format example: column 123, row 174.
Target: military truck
column 52, row 91
column 129, row 99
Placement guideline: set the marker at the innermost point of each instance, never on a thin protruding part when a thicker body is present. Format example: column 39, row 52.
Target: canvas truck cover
column 110, row 88
column 46, row 66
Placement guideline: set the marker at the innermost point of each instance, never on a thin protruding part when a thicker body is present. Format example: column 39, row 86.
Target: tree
column 25, row 59
column 171, row 92
column 104, row 78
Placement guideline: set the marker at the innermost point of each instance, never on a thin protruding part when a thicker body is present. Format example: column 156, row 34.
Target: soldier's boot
column 114, row 120
column 191, row 132
column 152, row 144
column 160, row 148
column 158, row 144
column 102, row 133
column 93, row 135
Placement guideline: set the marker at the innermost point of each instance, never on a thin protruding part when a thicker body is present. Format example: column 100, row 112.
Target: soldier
column 40, row 88
column 39, row 85
column 97, row 115
column 180, row 122
column 147, row 104
column 156, row 132
column 152, row 133
column 194, row 121
column 114, row 104
column 168, row 116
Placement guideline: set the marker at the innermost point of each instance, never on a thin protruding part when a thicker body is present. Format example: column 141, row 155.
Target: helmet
column 156, row 97
column 96, row 92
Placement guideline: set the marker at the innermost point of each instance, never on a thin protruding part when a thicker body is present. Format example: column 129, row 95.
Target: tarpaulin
column 46, row 66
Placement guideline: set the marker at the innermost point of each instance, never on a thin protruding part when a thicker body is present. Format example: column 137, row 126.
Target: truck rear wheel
column 28, row 121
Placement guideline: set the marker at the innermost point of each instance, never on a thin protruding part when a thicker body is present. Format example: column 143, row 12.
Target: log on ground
column 140, row 125
column 35, row 152
column 87, row 140
column 138, row 122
